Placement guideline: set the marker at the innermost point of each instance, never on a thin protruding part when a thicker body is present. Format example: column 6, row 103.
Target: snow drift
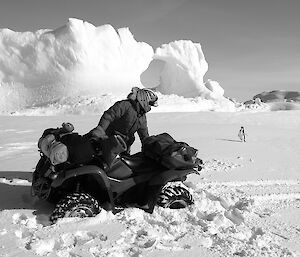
column 56, row 68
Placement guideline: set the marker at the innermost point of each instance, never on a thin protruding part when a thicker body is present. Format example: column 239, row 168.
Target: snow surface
column 247, row 198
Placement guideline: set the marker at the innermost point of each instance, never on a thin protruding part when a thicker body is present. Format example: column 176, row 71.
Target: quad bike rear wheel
column 79, row 205
column 175, row 197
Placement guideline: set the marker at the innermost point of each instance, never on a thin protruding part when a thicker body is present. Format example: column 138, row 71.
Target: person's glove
column 97, row 133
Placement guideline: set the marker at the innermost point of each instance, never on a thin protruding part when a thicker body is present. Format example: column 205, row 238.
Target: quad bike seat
column 133, row 161
column 139, row 163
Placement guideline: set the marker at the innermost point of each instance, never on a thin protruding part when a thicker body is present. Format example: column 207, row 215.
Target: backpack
column 167, row 151
column 63, row 145
column 51, row 147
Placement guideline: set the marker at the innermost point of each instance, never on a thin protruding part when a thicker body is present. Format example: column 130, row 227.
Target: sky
column 250, row 46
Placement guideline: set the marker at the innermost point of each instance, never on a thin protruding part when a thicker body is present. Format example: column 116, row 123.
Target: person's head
column 145, row 97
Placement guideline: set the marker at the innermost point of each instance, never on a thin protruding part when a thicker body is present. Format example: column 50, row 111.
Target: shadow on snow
column 230, row 140
column 14, row 195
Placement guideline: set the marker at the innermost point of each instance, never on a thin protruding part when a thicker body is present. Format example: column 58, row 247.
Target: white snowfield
column 247, row 198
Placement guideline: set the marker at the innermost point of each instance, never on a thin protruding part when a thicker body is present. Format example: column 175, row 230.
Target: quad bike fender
column 170, row 175
column 80, row 171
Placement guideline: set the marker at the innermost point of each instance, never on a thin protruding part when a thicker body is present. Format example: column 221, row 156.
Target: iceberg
column 80, row 68
column 183, row 74
column 42, row 66
column 185, row 66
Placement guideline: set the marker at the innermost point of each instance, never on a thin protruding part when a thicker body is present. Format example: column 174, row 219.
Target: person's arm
column 143, row 130
column 114, row 112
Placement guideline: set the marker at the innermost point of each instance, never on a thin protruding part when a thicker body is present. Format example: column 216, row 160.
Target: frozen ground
column 247, row 199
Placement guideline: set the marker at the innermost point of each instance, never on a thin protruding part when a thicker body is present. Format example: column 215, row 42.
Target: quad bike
column 83, row 190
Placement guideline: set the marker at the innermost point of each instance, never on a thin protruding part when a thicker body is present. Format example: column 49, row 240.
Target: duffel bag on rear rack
column 62, row 145
column 172, row 154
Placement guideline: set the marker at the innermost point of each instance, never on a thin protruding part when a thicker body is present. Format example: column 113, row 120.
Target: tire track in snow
column 260, row 190
column 263, row 190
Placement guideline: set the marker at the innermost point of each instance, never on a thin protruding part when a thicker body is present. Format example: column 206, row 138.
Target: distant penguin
column 242, row 134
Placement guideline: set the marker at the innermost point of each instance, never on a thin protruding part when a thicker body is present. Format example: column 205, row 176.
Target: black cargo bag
column 81, row 150
column 166, row 150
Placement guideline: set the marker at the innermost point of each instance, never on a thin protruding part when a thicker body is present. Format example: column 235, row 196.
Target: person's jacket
column 125, row 118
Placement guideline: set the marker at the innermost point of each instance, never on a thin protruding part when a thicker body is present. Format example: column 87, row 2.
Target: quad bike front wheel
column 41, row 185
column 79, row 205
column 175, row 197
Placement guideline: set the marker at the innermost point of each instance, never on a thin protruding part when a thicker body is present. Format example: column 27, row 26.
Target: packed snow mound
column 39, row 67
